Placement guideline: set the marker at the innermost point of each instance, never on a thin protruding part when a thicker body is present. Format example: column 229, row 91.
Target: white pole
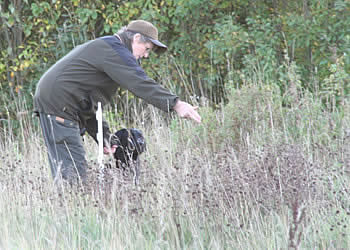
column 99, row 133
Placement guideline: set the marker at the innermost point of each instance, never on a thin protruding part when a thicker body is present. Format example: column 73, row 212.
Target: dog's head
column 131, row 144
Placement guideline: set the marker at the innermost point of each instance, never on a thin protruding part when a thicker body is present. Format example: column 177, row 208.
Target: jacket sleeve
column 125, row 71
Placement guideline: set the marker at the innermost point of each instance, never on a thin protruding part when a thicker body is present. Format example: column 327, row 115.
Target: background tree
column 212, row 43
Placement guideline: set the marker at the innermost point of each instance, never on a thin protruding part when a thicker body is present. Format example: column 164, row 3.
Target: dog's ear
column 121, row 154
column 122, row 136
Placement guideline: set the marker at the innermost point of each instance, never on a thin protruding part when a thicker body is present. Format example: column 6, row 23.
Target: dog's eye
column 140, row 141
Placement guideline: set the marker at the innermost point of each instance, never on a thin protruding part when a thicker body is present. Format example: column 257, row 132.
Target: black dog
column 131, row 144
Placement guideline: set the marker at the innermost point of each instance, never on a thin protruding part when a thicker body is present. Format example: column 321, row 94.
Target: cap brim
column 160, row 47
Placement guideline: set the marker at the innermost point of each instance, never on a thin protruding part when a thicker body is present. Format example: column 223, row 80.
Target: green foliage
column 318, row 36
column 212, row 43
column 336, row 87
column 268, row 116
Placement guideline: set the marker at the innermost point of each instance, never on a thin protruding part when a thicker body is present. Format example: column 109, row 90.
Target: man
column 67, row 94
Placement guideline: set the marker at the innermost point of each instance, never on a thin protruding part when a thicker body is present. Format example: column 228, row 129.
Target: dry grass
column 254, row 175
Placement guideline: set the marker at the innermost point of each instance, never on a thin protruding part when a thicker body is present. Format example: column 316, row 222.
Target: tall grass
column 264, row 171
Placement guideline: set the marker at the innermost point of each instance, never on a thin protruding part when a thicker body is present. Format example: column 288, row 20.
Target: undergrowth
column 264, row 171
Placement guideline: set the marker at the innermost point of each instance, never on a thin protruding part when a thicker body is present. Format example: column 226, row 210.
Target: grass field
column 261, row 172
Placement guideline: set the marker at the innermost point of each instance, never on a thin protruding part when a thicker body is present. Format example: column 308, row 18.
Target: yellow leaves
column 18, row 88
column 76, row 2
column 37, row 21
column 20, row 66
column 57, row 5
column 24, row 64
column 14, row 68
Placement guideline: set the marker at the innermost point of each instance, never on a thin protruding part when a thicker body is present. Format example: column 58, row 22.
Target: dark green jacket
column 91, row 73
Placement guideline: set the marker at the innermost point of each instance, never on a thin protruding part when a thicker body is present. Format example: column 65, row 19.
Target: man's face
column 140, row 49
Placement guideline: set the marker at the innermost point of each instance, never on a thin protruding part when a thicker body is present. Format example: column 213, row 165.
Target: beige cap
column 150, row 31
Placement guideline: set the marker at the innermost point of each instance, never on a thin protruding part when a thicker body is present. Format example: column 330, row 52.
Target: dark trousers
column 65, row 149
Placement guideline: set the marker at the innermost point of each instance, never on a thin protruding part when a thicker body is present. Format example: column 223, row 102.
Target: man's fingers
column 186, row 110
column 111, row 150
column 197, row 118
column 105, row 150
column 194, row 116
